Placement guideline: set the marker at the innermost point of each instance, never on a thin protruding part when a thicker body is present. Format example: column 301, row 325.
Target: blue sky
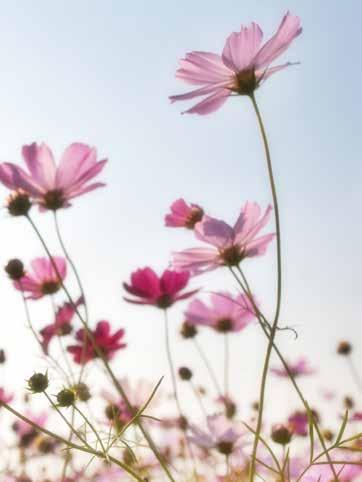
column 101, row 73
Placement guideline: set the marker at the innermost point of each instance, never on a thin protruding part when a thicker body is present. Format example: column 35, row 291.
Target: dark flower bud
column 183, row 423
column 255, row 406
column 328, row 435
column 185, row 373
column 82, row 392
column 38, row 383
column 128, row 457
column 66, row 398
column 281, row 434
column 188, row 330
column 112, row 411
column 15, row 269
column 225, row 447
column 348, row 402
column 2, row 357
column 230, row 409
column 344, row 348
column 18, row 204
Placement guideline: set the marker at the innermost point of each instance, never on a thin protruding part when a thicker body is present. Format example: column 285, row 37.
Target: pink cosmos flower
column 222, row 435
column 183, row 215
column 298, row 422
column 230, row 245
column 163, row 291
column 51, row 186
column 44, row 280
column 300, row 367
column 5, row 397
column 61, row 325
column 225, row 313
column 107, row 343
column 242, row 67
column 26, row 432
column 356, row 417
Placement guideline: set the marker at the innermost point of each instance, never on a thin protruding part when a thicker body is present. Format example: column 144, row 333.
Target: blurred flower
column 225, row 313
column 61, row 325
column 51, row 186
column 241, row 68
column 5, row 397
column 106, row 342
column 183, row 215
column 300, row 367
column 164, row 291
column 231, row 245
column 222, row 435
column 44, row 280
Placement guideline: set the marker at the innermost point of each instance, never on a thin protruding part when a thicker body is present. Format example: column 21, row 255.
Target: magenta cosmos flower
column 225, row 313
column 163, row 291
column 242, row 67
column 298, row 368
column 183, row 215
column 44, row 280
column 51, row 186
column 62, row 324
column 106, row 342
column 230, row 245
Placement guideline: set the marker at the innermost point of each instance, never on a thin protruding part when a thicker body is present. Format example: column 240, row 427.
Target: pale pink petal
column 258, row 246
column 198, row 313
column 288, row 30
column 196, row 260
column 252, row 225
column 210, row 104
column 76, row 159
column 78, row 184
column 215, row 232
column 208, row 89
column 15, row 177
column 241, row 48
column 263, row 74
column 202, row 68
column 40, row 162
column 84, row 190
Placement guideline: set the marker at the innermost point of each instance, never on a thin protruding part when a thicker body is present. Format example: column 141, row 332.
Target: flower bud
column 185, row 373
column 183, row 423
column 66, row 398
column 281, row 434
column 328, row 435
column 2, row 357
column 225, row 447
column 188, row 330
column 15, row 269
column 348, row 402
column 38, row 383
column 82, row 392
column 344, row 348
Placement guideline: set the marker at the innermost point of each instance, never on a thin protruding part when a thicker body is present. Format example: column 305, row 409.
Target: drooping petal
column 288, row 30
column 241, row 48
column 263, row 74
column 210, row 104
column 15, row 177
column 202, row 68
column 196, row 260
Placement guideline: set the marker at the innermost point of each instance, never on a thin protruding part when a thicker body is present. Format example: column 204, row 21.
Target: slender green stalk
column 70, row 444
column 170, row 363
column 279, row 290
column 208, row 366
column 101, row 355
column 91, row 426
column 226, row 366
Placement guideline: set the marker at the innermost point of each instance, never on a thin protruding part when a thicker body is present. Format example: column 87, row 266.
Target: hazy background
column 101, row 72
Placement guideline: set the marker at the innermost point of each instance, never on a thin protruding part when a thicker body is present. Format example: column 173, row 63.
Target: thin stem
column 279, row 290
column 262, row 320
column 69, row 425
column 170, row 363
column 70, row 444
column 101, row 355
column 226, row 366
column 355, row 374
column 198, row 398
column 91, row 426
column 72, row 264
column 208, row 366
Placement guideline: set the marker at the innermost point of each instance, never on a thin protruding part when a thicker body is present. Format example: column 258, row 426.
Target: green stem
column 226, row 366
column 279, row 290
column 91, row 426
column 208, row 367
column 70, row 444
column 101, row 355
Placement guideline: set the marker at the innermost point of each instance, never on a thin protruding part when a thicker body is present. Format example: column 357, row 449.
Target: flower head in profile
column 230, row 244
column 107, row 343
column 224, row 314
column 241, row 68
column 51, row 186
column 183, row 215
column 297, row 369
column 44, row 279
column 62, row 324
column 222, row 435
column 161, row 291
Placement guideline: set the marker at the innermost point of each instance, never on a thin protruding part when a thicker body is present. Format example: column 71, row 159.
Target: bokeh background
column 100, row 73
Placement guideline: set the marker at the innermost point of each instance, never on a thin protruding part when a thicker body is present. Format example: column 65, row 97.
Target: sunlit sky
column 101, row 73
